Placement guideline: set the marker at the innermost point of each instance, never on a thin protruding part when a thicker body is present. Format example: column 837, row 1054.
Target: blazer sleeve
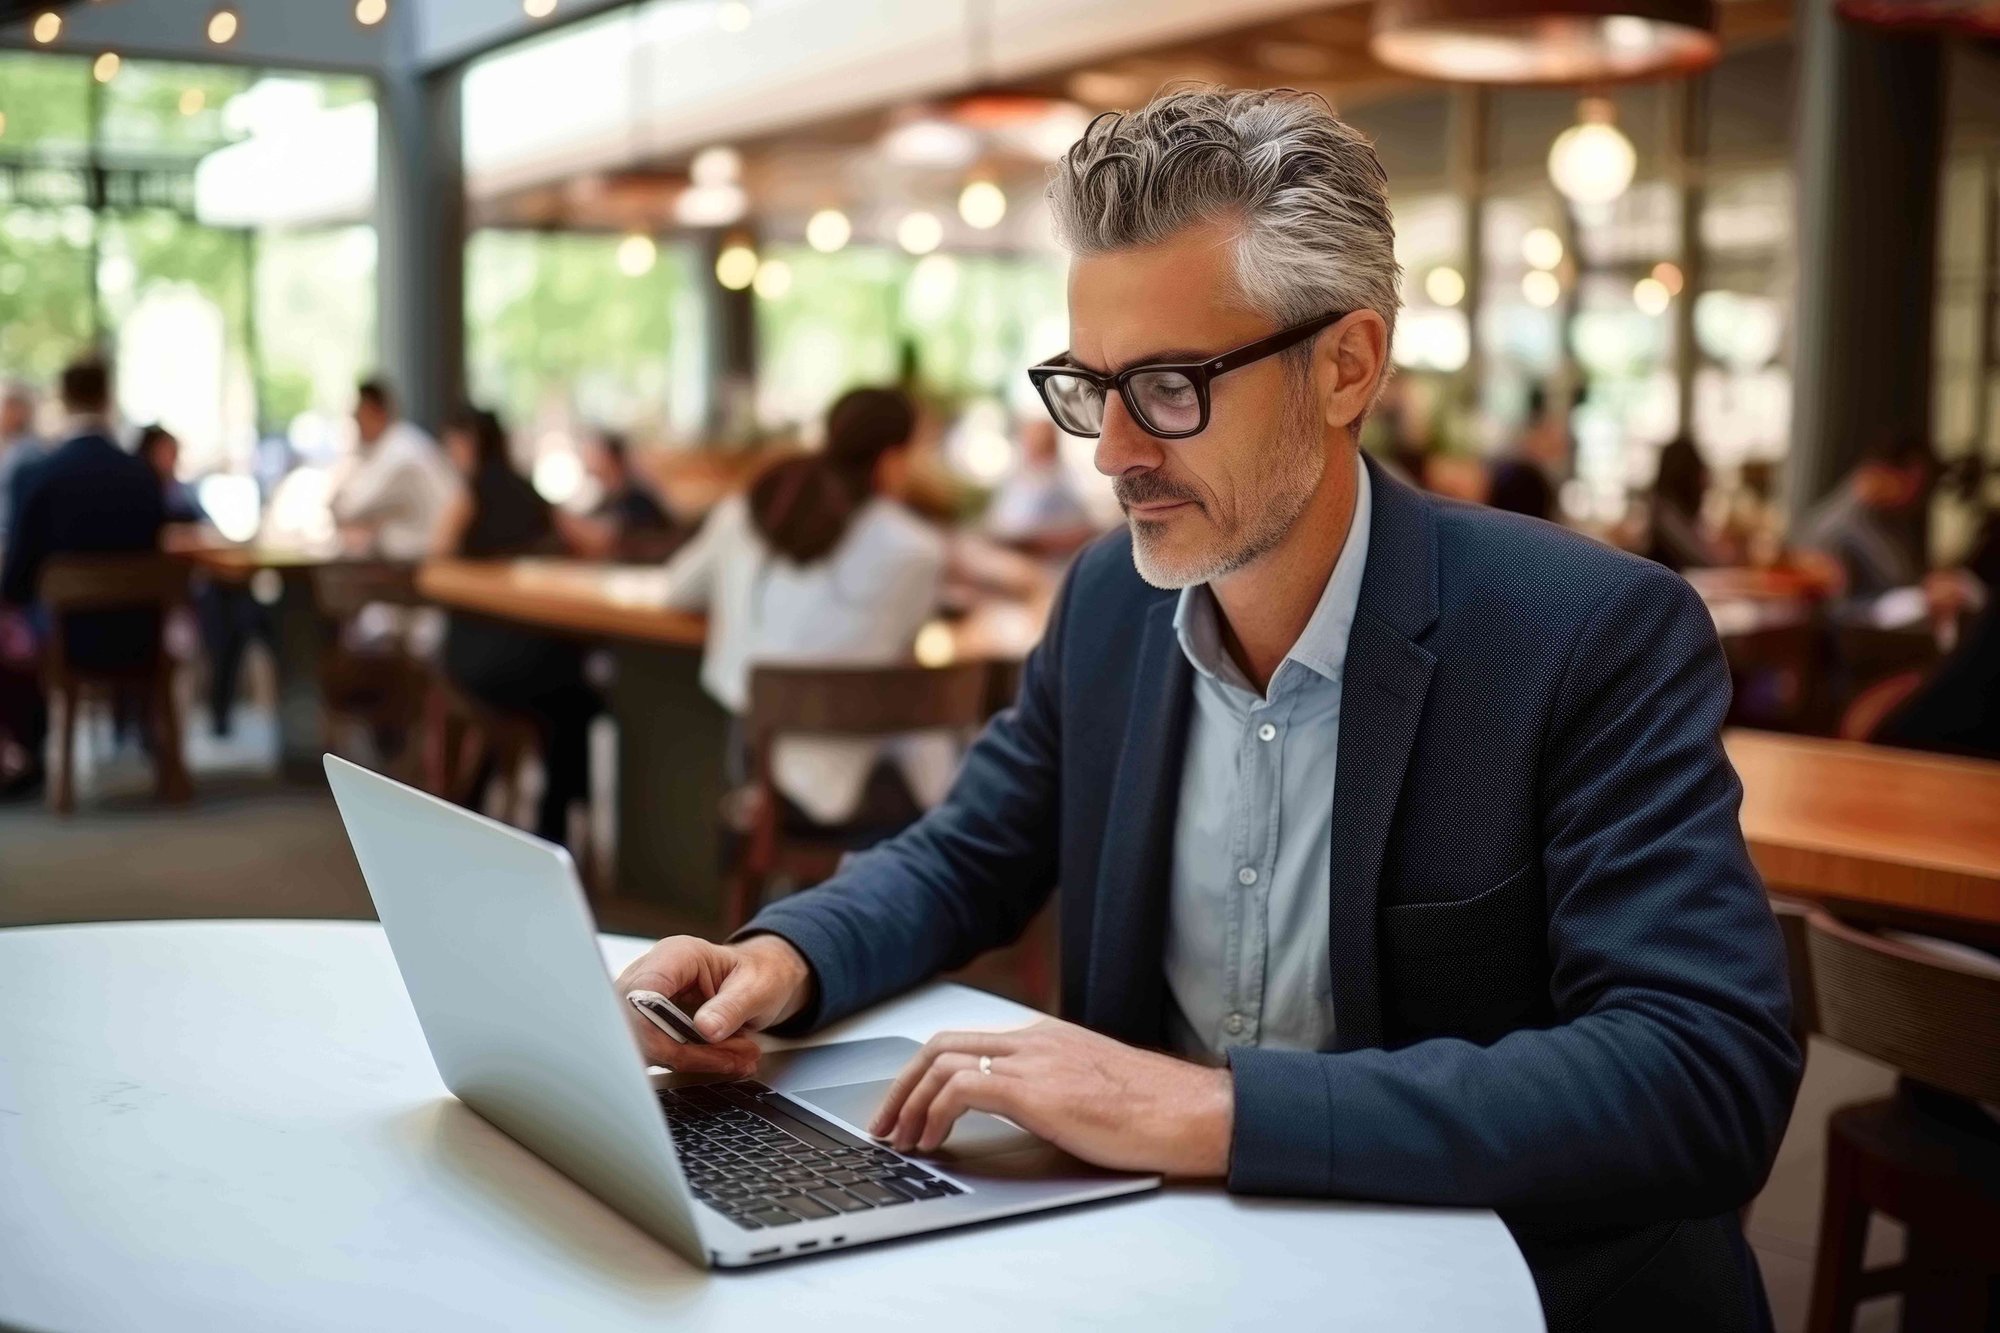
column 965, row 878
column 1665, row 1084
column 27, row 539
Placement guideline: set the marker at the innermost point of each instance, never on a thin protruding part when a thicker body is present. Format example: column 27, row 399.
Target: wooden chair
column 74, row 584
column 1937, row 1020
column 380, row 688
column 834, row 701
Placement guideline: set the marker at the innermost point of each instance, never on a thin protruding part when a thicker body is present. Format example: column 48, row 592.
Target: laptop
column 496, row 946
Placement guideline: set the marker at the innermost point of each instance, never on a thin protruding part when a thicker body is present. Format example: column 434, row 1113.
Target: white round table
column 237, row 1125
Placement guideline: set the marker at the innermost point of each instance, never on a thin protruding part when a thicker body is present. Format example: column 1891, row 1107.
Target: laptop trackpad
column 976, row 1134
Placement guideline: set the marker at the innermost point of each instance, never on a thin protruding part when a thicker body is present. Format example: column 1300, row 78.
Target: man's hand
column 1108, row 1103
column 731, row 990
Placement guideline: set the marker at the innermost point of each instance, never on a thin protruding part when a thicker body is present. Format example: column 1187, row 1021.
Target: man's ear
column 1352, row 357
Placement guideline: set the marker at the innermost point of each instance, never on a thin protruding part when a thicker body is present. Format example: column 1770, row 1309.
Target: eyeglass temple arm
column 1277, row 342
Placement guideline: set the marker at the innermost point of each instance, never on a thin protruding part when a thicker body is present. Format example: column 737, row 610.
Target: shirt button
column 1246, row 876
column 1267, row 732
column 1235, row 1023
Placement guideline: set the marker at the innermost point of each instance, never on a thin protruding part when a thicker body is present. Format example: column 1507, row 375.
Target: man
column 1864, row 529
column 1401, row 826
column 18, row 446
column 1037, row 507
column 87, row 496
column 629, row 518
column 393, row 493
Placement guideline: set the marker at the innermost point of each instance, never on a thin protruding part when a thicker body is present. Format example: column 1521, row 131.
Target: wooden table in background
column 1888, row 833
column 672, row 738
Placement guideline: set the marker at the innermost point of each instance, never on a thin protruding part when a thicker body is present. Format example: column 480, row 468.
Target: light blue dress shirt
column 1247, row 950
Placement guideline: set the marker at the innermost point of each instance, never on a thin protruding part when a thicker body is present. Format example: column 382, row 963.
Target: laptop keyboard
column 759, row 1161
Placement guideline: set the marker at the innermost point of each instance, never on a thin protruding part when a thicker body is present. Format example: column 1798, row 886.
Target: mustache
column 1146, row 488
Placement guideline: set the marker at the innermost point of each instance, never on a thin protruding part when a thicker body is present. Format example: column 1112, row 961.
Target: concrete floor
column 251, row 847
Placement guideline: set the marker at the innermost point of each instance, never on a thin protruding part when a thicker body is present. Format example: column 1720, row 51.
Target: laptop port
column 837, row 1240
column 765, row 1254
column 808, row 1245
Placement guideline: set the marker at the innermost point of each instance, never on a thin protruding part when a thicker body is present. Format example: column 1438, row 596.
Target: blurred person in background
column 821, row 563
column 159, row 449
column 19, row 446
column 629, row 521
column 1863, row 536
column 1037, row 507
column 497, row 513
column 1675, row 536
column 228, row 615
column 390, row 497
column 86, row 496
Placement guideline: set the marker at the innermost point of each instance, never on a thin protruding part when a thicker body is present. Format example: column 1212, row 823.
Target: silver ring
column 985, row 1064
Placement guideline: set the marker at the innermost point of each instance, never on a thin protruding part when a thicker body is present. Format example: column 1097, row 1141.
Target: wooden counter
column 1890, row 831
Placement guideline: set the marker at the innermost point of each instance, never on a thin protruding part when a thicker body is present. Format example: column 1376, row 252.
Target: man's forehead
column 1130, row 305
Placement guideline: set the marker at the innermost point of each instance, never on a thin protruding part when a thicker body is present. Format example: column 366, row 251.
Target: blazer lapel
column 1126, row 988
column 1385, row 681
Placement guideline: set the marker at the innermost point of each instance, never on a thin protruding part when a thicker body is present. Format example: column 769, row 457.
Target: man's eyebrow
column 1165, row 356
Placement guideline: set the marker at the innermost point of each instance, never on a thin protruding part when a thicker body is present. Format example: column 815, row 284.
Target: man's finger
column 967, row 1090
column 909, row 1119
column 735, row 1001
column 963, row 1043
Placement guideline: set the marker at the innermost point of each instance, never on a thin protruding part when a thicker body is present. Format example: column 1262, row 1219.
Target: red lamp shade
column 1545, row 41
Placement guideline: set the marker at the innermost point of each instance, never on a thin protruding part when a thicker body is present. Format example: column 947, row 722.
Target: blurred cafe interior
column 453, row 332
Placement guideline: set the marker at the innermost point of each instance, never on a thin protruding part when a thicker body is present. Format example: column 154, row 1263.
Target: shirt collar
column 1322, row 645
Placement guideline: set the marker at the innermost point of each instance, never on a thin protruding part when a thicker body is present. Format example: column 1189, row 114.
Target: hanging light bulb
column 736, row 266
column 982, row 204
column 828, row 230
column 919, row 232
column 538, row 9
column 368, row 13
column 222, row 26
column 1542, row 248
column 1651, row 296
column 47, row 27
column 105, row 68
column 636, row 255
column 1592, row 162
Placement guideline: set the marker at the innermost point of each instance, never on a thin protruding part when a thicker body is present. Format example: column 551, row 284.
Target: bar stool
column 1921, row 1157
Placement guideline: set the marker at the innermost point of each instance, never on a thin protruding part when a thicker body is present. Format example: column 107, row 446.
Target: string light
column 1445, row 285
column 919, row 232
column 1541, row 288
column 105, row 68
column 774, row 279
column 1542, row 248
column 538, row 9
column 222, row 26
column 192, row 101
column 982, row 204
column 47, row 27
column 828, row 230
column 1651, row 296
column 736, row 266
column 636, row 255
column 368, row 13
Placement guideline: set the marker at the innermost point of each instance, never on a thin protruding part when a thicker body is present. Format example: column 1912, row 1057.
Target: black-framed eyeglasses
column 1168, row 399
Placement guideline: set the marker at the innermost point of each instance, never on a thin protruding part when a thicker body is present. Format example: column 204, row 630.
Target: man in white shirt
column 390, row 497
column 1038, row 506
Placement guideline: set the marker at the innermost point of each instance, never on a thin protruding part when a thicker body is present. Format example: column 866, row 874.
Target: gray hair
column 1306, row 188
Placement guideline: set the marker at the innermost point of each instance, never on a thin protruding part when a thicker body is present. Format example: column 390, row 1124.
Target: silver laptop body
column 496, row 945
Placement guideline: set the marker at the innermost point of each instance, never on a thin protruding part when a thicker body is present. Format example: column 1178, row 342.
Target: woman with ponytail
column 820, row 563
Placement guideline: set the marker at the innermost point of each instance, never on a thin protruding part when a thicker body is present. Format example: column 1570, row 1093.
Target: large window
column 225, row 324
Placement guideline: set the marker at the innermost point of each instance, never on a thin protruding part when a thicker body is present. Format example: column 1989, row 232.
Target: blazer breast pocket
column 1473, row 967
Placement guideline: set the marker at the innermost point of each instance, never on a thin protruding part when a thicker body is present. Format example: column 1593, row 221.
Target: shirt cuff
column 1281, row 1141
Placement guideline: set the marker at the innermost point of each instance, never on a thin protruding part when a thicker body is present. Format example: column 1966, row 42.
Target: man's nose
column 1122, row 445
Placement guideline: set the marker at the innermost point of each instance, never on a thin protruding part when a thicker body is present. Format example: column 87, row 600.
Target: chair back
column 1792, row 915
column 863, row 701
column 1929, row 1015
column 146, row 580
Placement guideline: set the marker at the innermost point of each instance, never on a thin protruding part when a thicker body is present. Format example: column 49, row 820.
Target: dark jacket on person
column 1559, row 989
column 504, row 663
column 88, row 496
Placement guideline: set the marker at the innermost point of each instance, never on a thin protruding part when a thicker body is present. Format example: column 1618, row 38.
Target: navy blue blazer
column 87, row 496
column 1558, row 986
